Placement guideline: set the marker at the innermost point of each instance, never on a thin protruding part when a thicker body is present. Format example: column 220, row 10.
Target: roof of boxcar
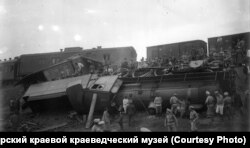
column 34, row 74
column 8, row 61
column 73, row 51
column 243, row 33
column 178, row 43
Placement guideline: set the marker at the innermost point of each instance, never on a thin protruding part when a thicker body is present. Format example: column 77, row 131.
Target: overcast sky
column 32, row 26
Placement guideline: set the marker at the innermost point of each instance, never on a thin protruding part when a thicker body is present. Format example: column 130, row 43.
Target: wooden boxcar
column 234, row 45
column 8, row 70
column 177, row 50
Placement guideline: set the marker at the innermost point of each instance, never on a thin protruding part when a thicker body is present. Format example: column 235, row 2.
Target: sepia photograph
column 124, row 65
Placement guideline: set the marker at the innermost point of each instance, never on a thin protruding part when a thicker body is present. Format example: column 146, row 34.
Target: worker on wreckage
column 174, row 102
column 171, row 121
column 193, row 119
column 210, row 102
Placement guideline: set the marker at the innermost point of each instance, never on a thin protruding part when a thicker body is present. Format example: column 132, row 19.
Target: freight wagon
column 234, row 46
column 192, row 49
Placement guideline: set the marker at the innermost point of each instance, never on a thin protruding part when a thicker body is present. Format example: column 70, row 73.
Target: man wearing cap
column 174, row 102
column 125, row 103
column 158, row 104
column 170, row 121
column 227, row 105
column 96, row 127
column 219, row 103
column 80, row 67
column 193, row 119
column 210, row 105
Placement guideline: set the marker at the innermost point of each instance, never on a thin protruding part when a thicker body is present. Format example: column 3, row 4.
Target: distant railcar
column 234, row 45
column 8, row 70
column 112, row 56
column 192, row 49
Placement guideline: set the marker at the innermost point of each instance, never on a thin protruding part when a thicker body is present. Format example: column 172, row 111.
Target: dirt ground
column 61, row 121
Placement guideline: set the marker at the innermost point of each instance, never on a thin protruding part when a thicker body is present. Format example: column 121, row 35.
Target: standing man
column 125, row 103
column 237, row 103
column 92, row 68
column 131, row 110
column 14, row 113
column 125, row 64
column 210, row 106
column 174, row 102
column 79, row 68
column 247, row 101
column 158, row 105
column 227, row 105
column 120, row 118
column 14, row 106
column 193, row 119
column 170, row 121
column 219, row 104
column 183, row 106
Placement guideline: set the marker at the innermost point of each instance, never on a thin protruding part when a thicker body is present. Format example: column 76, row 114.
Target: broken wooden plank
column 52, row 127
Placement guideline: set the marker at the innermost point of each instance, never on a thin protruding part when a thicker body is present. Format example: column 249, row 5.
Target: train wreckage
column 91, row 90
column 189, row 77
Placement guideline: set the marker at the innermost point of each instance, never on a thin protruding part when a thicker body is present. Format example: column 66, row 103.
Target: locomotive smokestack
column 4, row 59
column 61, row 50
column 9, row 59
column 99, row 47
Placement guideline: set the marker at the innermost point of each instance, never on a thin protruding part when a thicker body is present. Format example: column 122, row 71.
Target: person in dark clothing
column 14, row 118
column 170, row 121
column 246, row 102
column 112, row 109
column 120, row 118
column 227, row 105
column 131, row 110
column 125, row 64
column 14, row 106
column 210, row 102
column 194, row 116
column 14, row 121
column 237, row 103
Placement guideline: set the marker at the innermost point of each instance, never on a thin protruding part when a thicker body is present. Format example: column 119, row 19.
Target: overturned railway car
column 79, row 91
column 29, row 63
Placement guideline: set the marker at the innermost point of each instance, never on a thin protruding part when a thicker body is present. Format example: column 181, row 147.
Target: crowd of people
column 116, row 114
column 179, row 107
column 219, row 106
